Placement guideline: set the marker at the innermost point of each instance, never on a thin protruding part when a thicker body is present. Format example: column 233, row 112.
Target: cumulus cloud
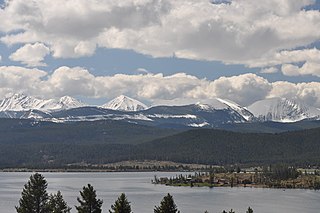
column 19, row 79
column 32, row 55
column 243, row 89
column 174, row 89
column 308, row 93
column 308, row 68
column 243, row 31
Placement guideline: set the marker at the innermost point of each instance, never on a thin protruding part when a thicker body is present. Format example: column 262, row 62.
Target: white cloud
column 155, row 88
column 269, row 70
column 243, row 31
column 288, row 57
column 142, row 70
column 306, row 92
column 243, row 89
column 308, row 68
column 31, row 55
column 19, row 79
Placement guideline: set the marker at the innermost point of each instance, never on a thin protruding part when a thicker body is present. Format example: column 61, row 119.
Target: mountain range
column 58, row 133
column 214, row 113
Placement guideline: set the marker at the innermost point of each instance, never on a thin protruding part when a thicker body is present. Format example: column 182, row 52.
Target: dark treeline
column 205, row 146
column 35, row 199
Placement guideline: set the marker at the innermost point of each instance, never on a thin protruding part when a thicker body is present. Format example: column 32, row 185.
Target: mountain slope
column 244, row 112
column 283, row 110
column 21, row 102
column 20, row 131
column 124, row 103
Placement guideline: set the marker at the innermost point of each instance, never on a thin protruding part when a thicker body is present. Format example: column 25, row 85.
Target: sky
column 161, row 51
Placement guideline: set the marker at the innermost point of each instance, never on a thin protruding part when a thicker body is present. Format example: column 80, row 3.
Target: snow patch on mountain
column 21, row 102
column 244, row 112
column 283, row 110
column 220, row 104
column 65, row 102
column 124, row 103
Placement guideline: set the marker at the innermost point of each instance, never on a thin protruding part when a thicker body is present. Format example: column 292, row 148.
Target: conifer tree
column 250, row 210
column 121, row 205
column 167, row 205
column 34, row 196
column 89, row 202
column 57, row 204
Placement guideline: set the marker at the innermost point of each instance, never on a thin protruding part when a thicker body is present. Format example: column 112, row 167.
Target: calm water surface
column 144, row 196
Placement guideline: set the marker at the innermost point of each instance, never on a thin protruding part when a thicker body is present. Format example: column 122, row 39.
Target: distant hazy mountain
column 283, row 110
column 124, row 103
column 21, row 102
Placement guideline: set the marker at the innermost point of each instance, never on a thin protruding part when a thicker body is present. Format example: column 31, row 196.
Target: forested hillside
column 18, row 131
column 105, row 141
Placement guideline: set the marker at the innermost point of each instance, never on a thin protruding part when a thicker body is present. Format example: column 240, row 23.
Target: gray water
column 144, row 195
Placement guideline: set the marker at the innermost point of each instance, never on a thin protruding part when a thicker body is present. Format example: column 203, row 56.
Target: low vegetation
column 276, row 176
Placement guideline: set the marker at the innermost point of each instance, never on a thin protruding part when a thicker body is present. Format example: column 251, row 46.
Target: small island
column 277, row 176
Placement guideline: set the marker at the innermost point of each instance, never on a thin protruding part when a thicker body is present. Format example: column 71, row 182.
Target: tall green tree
column 89, row 202
column 57, row 204
column 34, row 196
column 121, row 205
column 167, row 205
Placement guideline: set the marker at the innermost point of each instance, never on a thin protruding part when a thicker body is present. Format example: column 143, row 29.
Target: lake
column 144, row 196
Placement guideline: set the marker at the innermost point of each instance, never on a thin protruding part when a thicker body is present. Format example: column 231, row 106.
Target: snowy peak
column 67, row 102
column 220, row 104
column 21, row 102
column 244, row 112
column 124, row 103
column 283, row 110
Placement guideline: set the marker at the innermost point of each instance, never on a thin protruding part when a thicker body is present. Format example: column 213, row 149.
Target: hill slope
column 222, row 147
column 206, row 146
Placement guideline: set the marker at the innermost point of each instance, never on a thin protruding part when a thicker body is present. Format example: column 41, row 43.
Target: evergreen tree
column 250, row 210
column 57, row 204
column 89, row 202
column 167, row 205
column 121, row 205
column 34, row 196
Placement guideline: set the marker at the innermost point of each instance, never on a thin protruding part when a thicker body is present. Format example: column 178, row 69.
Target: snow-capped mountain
column 65, row 102
column 283, row 110
column 21, row 102
column 218, row 103
column 124, row 103
column 212, row 113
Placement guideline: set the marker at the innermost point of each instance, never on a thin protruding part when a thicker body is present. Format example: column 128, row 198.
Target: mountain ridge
column 22, row 102
column 212, row 113
column 283, row 110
